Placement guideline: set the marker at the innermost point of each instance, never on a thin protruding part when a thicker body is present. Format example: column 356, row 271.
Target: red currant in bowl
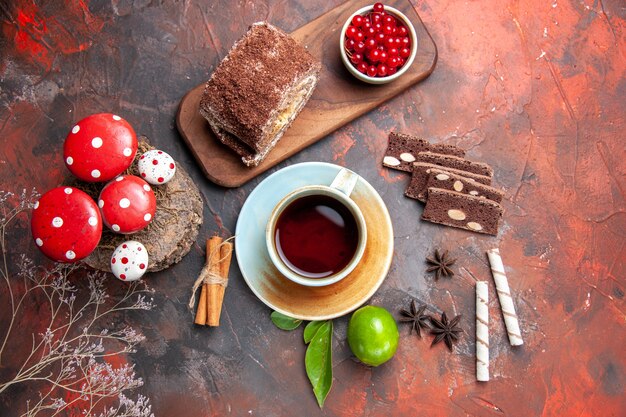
column 378, row 44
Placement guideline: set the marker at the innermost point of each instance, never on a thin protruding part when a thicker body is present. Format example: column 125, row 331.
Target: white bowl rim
column 378, row 80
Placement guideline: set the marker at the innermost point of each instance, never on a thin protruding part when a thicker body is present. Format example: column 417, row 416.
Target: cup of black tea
column 316, row 234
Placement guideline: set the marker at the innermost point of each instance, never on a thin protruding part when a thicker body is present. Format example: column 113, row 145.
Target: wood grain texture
column 338, row 98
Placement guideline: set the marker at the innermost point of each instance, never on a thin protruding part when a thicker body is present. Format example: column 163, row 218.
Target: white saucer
column 287, row 297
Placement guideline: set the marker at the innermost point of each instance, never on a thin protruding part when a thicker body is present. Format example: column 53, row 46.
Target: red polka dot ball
column 127, row 204
column 100, row 147
column 66, row 224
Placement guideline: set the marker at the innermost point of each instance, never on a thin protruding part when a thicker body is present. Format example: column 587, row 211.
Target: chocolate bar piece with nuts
column 463, row 211
column 421, row 173
column 439, row 178
column 450, row 161
column 403, row 149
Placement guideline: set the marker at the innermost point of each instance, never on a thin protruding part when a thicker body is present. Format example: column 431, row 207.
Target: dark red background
column 534, row 88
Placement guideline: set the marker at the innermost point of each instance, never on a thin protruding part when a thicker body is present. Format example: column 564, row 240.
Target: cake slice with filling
column 257, row 91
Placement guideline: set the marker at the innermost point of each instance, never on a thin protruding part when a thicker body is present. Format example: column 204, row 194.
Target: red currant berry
column 392, row 62
column 388, row 29
column 370, row 44
column 400, row 62
column 380, row 38
column 383, row 56
column 370, row 32
column 359, row 37
column 376, row 18
column 359, row 47
column 367, row 24
column 374, row 55
column 406, row 42
column 362, row 67
column 377, row 27
column 390, row 42
column 392, row 51
column 350, row 44
column 358, row 20
column 356, row 58
column 371, row 70
column 398, row 41
column 381, row 70
column 391, row 71
column 378, row 7
column 351, row 32
column 403, row 31
column 389, row 20
column 405, row 53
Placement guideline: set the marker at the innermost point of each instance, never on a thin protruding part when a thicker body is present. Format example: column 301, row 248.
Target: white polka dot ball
column 156, row 167
column 129, row 261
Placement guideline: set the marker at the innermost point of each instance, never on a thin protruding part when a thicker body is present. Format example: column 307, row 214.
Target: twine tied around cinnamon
column 213, row 279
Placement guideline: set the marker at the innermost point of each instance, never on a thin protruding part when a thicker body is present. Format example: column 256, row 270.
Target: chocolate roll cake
column 256, row 92
column 402, row 150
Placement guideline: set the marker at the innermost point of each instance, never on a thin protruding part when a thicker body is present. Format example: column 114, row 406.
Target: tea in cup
column 316, row 235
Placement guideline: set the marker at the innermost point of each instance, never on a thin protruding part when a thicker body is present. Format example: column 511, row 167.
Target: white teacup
column 316, row 235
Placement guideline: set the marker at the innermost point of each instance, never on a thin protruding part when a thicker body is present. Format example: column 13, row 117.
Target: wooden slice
column 173, row 231
column 338, row 98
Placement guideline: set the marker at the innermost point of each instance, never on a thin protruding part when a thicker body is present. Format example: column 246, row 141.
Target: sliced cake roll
column 256, row 92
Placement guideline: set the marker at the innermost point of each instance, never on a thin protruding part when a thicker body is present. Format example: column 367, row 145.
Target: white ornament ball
column 129, row 261
column 156, row 167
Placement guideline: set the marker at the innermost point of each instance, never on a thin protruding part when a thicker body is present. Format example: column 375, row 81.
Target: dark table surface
column 534, row 88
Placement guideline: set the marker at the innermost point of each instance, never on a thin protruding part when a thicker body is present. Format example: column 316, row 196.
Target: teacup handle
column 345, row 181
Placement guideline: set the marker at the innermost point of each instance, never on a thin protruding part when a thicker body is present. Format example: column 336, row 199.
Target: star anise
column 416, row 317
column 441, row 264
column 445, row 330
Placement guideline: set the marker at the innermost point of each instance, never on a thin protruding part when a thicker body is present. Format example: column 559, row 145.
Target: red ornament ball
column 66, row 224
column 100, row 147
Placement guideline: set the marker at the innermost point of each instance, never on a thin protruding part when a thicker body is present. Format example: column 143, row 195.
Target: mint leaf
column 284, row 322
column 318, row 359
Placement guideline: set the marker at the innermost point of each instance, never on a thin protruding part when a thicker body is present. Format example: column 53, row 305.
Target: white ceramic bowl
column 379, row 80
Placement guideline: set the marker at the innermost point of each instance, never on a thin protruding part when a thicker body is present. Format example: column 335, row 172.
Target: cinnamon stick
column 202, row 310
column 212, row 263
column 215, row 292
column 211, row 252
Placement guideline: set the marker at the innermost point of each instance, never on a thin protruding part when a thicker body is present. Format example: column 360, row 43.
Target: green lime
column 373, row 335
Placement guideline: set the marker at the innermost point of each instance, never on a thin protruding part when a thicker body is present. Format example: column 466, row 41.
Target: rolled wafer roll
column 482, row 331
column 504, row 295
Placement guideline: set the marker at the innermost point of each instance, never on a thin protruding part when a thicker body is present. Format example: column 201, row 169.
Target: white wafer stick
column 482, row 331
column 504, row 294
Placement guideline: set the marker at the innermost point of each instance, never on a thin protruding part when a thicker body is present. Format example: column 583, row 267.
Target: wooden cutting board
column 338, row 98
